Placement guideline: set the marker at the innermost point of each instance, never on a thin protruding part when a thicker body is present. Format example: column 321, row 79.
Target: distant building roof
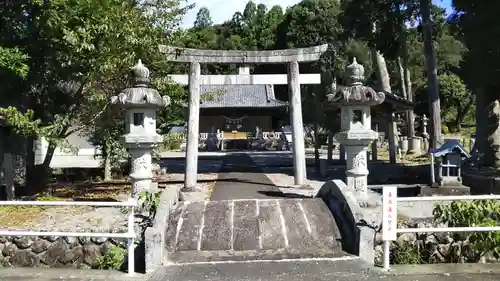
column 450, row 146
column 239, row 96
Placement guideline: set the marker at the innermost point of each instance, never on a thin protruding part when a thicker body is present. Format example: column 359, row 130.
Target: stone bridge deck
column 257, row 229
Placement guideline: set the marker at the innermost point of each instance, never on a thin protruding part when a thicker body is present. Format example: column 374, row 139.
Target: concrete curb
column 449, row 268
column 154, row 237
column 357, row 237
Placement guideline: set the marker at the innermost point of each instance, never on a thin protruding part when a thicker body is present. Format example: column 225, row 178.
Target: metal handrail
column 389, row 217
column 129, row 235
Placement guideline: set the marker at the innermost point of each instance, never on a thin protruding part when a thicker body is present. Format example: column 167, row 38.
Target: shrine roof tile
column 239, row 96
column 450, row 146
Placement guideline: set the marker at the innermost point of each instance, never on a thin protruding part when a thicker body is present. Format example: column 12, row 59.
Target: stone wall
column 481, row 182
column 51, row 251
column 154, row 236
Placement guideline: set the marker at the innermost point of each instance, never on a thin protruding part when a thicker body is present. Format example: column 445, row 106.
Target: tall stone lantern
column 140, row 138
column 356, row 133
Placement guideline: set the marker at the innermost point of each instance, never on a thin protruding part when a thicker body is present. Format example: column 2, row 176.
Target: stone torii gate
column 293, row 79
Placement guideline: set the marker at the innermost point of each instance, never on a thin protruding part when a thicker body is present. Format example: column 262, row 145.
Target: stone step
column 242, row 230
column 289, row 270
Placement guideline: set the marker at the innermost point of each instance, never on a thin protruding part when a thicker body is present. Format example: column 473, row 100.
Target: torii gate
column 293, row 79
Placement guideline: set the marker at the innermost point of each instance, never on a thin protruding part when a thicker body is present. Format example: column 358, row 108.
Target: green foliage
column 113, row 259
column 150, row 201
column 457, row 102
column 13, row 60
column 203, row 18
column 172, row 141
column 406, row 253
column 78, row 53
column 474, row 213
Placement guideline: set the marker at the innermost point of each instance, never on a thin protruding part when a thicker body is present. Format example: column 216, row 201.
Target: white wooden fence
column 204, row 136
column 390, row 222
column 129, row 235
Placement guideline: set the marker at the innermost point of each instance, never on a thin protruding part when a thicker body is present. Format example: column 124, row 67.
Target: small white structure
column 84, row 154
column 356, row 133
column 450, row 156
column 141, row 138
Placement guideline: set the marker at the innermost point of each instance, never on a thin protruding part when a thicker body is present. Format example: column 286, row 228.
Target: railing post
column 387, row 254
column 389, row 220
column 131, row 240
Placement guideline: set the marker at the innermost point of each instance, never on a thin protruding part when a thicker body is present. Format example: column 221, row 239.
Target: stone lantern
column 141, row 103
column 356, row 133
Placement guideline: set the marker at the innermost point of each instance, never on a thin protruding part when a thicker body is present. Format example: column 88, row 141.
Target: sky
column 222, row 10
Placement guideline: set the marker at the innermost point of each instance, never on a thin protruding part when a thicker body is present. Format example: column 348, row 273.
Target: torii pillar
column 291, row 57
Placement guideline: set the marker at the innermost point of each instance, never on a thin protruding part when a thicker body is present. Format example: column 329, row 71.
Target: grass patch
column 25, row 216
column 408, row 159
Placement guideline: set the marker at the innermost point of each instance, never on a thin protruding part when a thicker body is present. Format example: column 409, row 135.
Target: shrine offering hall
column 240, row 112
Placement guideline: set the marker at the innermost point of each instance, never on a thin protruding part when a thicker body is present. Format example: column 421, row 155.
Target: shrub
column 407, row 253
column 473, row 213
column 113, row 259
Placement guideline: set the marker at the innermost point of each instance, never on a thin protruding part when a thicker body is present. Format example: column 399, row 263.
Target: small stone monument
column 403, row 144
column 141, row 137
column 414, row 143
column 425, row 134
column 356, row 133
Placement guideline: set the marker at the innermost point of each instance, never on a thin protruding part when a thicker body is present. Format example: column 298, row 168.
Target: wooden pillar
column 342, row 157
column 392, row 138
column 330, row 147
column 193, row 129
column 299, row 156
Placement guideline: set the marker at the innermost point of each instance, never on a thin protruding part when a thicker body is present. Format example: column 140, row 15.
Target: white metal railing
column 390, row 222
column 129, row 235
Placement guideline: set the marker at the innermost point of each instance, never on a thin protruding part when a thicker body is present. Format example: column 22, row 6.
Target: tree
column 456, row 102
column 310, row 23
column 456, row 99
column 479, row 27
column 203, row 18
column 72, row 48
column 432, row 76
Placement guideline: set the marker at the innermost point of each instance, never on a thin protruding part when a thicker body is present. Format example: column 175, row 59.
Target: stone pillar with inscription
column 356, row 134
column 140, row 138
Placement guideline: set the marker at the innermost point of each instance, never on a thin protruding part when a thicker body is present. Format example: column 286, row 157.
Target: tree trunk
column 381, row 72
column 107, row 164
column 432, row 77
column 481, row 140
column 460, row 117
column 402, row 81
column 37, row 178
column 330, row 147
column 410, row 115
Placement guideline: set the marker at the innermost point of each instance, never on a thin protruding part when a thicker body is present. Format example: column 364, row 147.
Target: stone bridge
column 257, row 229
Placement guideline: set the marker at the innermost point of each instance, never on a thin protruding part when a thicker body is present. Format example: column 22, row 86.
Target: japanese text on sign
column 389, row 213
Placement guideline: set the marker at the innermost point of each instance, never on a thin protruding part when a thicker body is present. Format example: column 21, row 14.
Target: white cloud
column 222, row 10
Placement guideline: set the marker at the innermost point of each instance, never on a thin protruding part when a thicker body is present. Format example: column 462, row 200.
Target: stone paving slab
column 347, row 270
column 53, row 274
column 241, row 178
column 242, row 230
